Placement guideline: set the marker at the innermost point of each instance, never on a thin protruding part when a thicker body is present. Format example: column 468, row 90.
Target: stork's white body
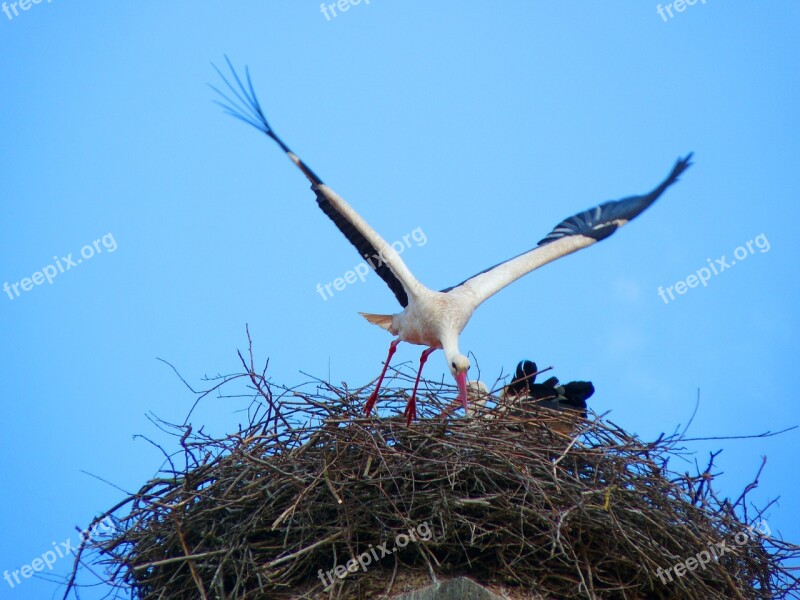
column 434, row 319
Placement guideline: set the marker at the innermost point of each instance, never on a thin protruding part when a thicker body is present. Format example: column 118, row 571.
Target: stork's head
column 459, row 365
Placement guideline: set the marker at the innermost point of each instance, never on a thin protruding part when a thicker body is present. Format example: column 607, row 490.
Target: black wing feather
column 365, row 249
column 600, row 222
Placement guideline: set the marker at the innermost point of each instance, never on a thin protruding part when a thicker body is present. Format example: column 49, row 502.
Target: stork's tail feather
column 384, row 321
column 243, row 104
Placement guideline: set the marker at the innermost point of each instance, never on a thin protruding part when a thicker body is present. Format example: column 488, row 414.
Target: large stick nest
column 310, row 484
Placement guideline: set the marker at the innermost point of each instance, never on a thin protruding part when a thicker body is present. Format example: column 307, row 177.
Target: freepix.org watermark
column 15, row 7
column 49, row 272
column 420, row 532
column 361, row 270
column 715, row 551
column 703, row 274
column 60, row 550
column 678, row 5
column 342, row 5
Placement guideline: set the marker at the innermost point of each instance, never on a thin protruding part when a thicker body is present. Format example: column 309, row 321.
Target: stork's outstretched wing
column 572, row 234
column 241, row 102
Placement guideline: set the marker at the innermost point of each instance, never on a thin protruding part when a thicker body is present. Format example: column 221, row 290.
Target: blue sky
column 482, row 125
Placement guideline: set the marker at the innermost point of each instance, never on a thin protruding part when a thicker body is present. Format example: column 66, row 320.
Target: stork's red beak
column 461, row 381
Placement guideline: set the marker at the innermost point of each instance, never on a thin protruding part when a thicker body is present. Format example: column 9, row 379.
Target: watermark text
column 678, row 5
column 50, row 557
column 415, row 534
column 362, row 269
column 343, row 5
column 15, row 7
column 703, row 274
column 715, row 551
column 49, row 272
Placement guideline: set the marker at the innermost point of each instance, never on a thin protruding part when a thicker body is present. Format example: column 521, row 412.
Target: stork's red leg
column 411, row 407
column 373, row 397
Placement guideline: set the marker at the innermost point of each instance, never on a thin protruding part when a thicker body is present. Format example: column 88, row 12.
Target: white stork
column 431, row 318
